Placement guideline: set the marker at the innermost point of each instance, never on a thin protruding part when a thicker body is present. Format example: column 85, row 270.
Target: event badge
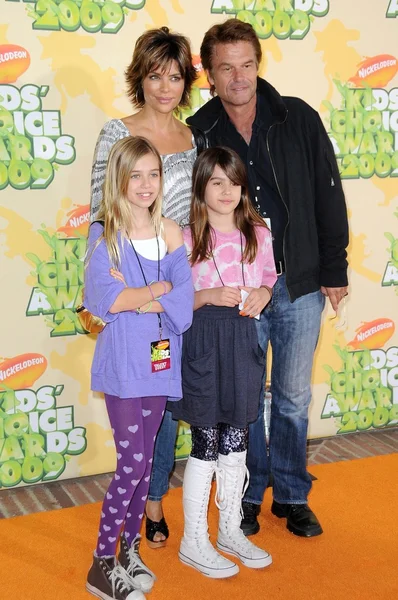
column 160, row 355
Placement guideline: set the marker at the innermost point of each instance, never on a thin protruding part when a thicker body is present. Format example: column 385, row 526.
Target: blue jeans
column 163, row 457
column 293, row 330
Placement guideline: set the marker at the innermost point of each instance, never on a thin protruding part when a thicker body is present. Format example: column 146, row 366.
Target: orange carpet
column 46, row 555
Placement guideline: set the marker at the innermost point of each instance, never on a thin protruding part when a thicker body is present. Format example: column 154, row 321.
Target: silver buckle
column 279, row 267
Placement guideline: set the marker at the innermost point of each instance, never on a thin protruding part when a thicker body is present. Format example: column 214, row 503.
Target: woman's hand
column 224, row 296
column 256, row 301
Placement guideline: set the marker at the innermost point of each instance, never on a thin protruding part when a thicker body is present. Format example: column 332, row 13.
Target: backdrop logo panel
column 364, row 130
column 98, row 16
column 14, row 60
column 364, row 392
column 60, row 276
column 285, row 19
column 32, row 144
column 37, row 437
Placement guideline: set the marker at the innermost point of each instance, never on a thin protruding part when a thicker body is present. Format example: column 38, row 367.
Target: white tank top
column 149, row 248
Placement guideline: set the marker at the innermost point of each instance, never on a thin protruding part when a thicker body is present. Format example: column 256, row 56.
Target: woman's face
column 163, row 89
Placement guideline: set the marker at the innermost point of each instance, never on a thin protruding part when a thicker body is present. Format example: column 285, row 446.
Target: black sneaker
column 107, row 579
column 249, row 524
column 300, row 518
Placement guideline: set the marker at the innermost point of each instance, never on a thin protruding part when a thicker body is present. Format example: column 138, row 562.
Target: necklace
column 145, row 279
column 241, row 263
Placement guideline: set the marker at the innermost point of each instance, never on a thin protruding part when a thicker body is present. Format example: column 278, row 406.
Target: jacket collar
column 207, row 116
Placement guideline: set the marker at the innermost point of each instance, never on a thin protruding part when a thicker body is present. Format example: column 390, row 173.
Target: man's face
column 234, row 72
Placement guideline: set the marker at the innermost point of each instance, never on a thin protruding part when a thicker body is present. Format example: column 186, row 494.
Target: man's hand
column 257, row 299
column 335, row 295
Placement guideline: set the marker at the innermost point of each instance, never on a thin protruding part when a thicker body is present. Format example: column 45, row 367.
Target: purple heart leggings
column 135, row 423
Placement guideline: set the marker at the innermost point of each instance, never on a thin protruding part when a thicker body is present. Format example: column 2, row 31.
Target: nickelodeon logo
column 78, row 222
column 373, row 335
column 201, row 81
column 22, row 371
column 376, row 71
column 14, row 60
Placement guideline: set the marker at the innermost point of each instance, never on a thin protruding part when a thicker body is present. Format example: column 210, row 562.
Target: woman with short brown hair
column 159, row 80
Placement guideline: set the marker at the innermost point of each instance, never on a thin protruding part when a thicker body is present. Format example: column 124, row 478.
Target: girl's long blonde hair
column 115, row 209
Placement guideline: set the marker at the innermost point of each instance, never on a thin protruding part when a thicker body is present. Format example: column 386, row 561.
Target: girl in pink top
column 230, row 250
column 227, row 250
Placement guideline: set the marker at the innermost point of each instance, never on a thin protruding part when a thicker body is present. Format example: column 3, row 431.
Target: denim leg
column 257, row 460
column 163, row 458
column 294, row 334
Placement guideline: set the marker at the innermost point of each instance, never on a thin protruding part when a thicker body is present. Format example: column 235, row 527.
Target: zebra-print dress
column 177, row 174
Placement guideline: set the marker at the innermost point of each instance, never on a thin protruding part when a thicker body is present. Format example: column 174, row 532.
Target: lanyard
column 241, row 262
column 145, row 279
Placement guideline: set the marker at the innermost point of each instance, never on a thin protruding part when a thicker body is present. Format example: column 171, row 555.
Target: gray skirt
column 222, row 370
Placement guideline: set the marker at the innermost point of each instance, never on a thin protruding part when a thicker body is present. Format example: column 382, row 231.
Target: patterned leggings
column 209, row 442
column 135, row 423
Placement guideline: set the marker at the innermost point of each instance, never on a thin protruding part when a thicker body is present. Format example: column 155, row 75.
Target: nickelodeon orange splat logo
column 78, row 222
column 14, row 60
column 375, row 72
column 20, row 372
column 373, row 335
column 201, row 81
column 200, row 92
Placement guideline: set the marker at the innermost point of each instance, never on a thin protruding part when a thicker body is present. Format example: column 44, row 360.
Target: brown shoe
column 109, row 581
column 130, row 559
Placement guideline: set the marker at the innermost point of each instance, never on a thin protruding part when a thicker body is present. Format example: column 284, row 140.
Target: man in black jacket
column 295, row 185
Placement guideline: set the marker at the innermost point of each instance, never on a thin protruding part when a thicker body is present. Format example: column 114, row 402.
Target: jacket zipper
column 280, row 194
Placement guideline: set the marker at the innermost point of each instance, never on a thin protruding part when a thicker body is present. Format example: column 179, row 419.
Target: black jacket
column 309, row 185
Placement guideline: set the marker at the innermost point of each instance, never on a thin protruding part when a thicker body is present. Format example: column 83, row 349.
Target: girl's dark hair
column 246, row 218
column 155, row 49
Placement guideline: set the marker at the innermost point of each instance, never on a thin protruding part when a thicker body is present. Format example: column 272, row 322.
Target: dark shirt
column 263, row 190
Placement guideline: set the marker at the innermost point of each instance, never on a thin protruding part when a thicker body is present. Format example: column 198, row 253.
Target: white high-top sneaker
column 196, row 549
column 231, row 539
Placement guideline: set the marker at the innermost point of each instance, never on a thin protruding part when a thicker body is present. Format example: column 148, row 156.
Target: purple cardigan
column 121, row 365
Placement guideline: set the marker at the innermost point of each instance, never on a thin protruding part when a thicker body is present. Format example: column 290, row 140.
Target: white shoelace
column 119, row 579
column 220, row 500
column 136, row 561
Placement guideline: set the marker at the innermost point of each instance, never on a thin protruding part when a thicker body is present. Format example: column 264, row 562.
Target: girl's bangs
column 234, row 174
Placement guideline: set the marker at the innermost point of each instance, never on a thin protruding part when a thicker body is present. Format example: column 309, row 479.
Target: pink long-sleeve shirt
column 227, row 253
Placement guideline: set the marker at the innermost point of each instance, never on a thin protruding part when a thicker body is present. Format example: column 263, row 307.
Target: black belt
column 280, row 267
